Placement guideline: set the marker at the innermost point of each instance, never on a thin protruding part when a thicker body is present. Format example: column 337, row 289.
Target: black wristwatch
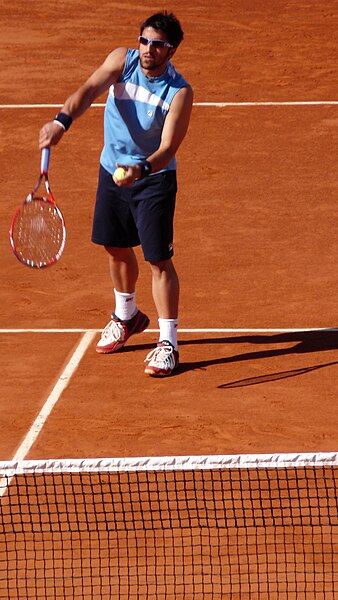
column 145, row 169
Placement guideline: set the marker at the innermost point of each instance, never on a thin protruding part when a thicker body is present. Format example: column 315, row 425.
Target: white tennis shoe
column 162, row 360
column 117, row 332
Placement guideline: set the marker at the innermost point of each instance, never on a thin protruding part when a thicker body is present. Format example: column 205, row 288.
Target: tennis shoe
column 117, row 332
column 162, row 360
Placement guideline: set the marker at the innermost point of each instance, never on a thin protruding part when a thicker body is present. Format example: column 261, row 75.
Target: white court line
column 216, row 104
column 61, row 384
column 287, row 103
column 204, row 330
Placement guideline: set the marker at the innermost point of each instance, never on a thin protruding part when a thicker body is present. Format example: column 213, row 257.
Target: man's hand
column 131, row 174
column 50, row 134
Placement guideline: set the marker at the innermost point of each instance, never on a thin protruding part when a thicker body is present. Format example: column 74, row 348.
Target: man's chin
column 149, row 65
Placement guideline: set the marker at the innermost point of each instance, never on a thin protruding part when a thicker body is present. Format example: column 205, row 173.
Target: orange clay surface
column 255, row 237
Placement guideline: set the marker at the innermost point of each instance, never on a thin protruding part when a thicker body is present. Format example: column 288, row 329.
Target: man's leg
column 123, row 269
column 126, row 318
column 165, row 286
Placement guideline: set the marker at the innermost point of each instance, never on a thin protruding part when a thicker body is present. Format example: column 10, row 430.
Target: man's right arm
column 78, row 102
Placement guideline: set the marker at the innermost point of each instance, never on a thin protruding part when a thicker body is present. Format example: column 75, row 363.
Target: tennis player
column 146, row 118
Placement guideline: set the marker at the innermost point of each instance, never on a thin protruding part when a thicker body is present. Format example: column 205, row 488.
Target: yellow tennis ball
column 119, row 173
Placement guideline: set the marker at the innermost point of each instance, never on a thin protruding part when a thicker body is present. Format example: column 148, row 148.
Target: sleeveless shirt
column 135, row 112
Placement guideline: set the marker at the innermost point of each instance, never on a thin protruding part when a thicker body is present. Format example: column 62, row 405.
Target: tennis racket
column 37, row 233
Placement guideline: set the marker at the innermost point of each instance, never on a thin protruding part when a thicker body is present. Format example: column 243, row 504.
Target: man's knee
column 118, row 252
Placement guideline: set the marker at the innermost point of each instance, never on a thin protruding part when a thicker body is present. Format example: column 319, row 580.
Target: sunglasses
column 156, row 43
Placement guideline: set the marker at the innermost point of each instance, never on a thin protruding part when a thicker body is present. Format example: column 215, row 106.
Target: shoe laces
column 114, row 330
column 160, row 354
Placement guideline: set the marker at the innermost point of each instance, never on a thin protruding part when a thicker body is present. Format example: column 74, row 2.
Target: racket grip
column 45, row 155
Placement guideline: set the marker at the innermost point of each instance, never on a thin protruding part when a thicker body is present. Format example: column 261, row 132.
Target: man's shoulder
column 115, row 60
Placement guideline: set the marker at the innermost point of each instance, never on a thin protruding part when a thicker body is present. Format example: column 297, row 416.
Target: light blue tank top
column 135, row 112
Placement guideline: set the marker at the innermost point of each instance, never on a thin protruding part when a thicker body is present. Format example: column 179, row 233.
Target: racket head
column 37, row 232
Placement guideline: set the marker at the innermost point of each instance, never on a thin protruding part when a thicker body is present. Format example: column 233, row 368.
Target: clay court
column 255, row 239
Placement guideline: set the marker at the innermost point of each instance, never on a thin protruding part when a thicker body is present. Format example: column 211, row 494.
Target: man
column 146, row 118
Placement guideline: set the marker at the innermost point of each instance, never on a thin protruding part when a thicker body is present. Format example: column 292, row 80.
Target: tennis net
column 201, row 527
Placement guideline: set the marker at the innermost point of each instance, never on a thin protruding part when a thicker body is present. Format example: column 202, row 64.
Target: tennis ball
column 119, row 173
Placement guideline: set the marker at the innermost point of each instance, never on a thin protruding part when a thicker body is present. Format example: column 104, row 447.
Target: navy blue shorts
column 143, row 214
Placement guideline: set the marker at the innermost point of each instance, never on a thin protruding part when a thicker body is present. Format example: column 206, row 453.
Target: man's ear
column 172, row 52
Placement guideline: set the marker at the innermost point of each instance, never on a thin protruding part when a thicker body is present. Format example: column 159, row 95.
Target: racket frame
column 45, row 155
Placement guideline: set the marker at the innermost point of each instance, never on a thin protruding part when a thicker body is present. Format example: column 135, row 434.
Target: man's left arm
column 174, row 130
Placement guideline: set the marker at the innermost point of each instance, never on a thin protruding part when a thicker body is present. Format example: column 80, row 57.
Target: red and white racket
column 37, row 233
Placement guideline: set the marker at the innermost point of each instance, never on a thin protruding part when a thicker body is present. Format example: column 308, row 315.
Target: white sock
column 168, row 331
column 125, row 305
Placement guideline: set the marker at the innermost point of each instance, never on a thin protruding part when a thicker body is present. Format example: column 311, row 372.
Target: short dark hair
column 168, row 23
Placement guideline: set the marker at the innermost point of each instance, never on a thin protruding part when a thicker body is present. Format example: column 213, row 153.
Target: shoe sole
column 118, row 345
column 157, row 373
column 109, row 349
column 160, row 372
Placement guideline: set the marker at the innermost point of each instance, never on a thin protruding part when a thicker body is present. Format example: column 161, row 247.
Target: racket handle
column 44, row 164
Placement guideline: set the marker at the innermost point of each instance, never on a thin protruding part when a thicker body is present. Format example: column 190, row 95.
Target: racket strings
column 39, row 233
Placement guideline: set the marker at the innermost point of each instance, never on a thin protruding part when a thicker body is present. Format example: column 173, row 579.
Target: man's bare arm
column 174, row 131
column 78, row 102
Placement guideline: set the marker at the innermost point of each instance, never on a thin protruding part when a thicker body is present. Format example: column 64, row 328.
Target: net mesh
column 199, row 527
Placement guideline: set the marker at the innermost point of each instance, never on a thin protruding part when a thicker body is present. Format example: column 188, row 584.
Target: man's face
column 154, row 57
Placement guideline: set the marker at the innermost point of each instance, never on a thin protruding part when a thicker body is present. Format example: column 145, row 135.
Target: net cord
column 170, row 463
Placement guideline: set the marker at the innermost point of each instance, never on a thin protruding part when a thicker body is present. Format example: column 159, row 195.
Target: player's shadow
column 305, row 342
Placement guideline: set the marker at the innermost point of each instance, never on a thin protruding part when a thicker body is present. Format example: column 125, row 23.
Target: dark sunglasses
column 156, row 43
